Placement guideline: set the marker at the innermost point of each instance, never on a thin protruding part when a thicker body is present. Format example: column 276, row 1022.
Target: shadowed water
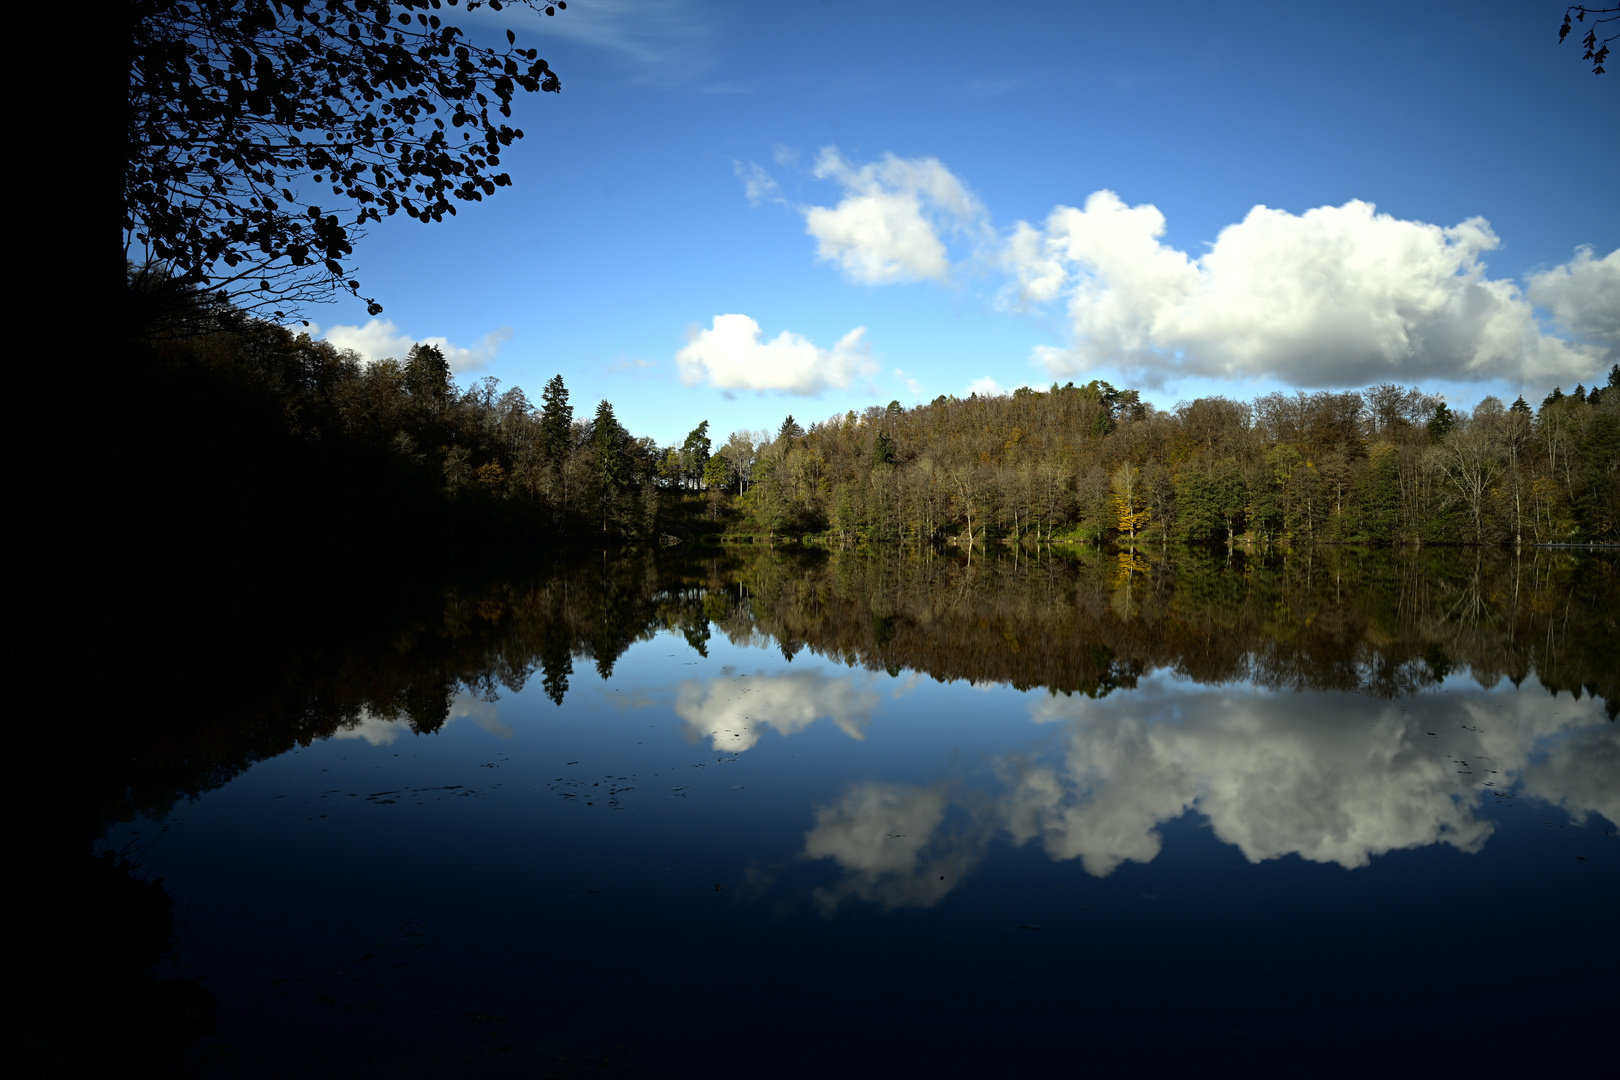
column 884, row 813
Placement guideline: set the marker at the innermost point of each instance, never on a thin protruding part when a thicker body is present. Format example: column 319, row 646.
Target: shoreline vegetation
column 294, row 440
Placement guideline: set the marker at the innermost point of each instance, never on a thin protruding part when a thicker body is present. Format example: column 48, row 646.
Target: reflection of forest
column 1384, row 623
column 247, row 688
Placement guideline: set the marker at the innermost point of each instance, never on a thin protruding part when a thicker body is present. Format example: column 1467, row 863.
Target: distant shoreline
column 1609, row 547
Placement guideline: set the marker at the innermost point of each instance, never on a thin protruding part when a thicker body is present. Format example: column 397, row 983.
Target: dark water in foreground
column 893, row 815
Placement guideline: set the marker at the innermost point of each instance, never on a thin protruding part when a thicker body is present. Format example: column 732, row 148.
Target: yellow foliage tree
column 1129, row 499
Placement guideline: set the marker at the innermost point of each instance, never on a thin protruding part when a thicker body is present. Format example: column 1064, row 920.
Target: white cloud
column 380, row 339
column 913, row 387
column 1584, row 296
column 667, row 41
column 758, row 184
column 732, row 713
column 733, row 356
column 1334, row 296
column 1039, row 271
column 887, row 226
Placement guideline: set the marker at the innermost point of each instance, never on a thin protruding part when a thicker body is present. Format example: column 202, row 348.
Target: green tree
column 608, row 460
column 883, row 449
column 1443, row 420
column 556, row 424
column 237, row 115
column 717, row 471
column 1210, row 503
column 1469, row 463
column 427, row 374
column 695, row 452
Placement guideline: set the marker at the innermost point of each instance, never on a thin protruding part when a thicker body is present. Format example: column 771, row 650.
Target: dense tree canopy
column 1389, row 465
column 262, row 135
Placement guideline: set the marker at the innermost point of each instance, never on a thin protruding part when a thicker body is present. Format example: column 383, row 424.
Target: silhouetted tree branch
column 242, row 113
column 1596, row 51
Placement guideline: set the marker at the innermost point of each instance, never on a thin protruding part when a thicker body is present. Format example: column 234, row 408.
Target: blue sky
column 1000, row 194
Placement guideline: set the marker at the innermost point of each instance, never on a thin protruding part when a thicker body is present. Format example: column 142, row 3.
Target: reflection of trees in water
column 407, row 669
column 1384, row 623
column 1380, row 623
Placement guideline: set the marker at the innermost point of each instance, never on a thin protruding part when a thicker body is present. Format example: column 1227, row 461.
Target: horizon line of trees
column 1388, row 465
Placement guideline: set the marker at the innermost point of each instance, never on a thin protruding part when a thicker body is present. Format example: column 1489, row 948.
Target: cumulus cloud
column 732, row 355
column 1338, row 295
column 733, row 713
column 1583, row 296
column 1334, row 296
column 984, row 386
column 887, row 226
column 380, row 339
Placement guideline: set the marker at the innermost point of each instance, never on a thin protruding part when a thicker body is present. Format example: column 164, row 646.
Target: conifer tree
column 695, row 453
column 607, row 448
column 556, row 423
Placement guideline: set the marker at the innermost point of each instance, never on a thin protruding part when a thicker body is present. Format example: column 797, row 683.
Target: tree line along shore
column 399, row 444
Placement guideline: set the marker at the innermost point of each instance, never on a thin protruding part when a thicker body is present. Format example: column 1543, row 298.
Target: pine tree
column 1443, row 420
column 556, row 424
column 607, row 448
column 883, row 449
column 695, row 452
column 427, row 373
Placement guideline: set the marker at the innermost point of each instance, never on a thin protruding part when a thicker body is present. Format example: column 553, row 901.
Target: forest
column 399, row 445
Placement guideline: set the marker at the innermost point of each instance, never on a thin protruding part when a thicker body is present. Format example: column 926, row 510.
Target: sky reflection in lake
column 741, row 829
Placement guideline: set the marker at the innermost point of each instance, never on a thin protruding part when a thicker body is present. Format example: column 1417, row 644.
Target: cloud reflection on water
column 1331, row 778
column 383, row 730
column 732, row 712
column 889, row 841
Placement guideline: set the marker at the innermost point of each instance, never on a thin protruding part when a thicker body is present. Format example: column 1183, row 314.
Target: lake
column 902, row 813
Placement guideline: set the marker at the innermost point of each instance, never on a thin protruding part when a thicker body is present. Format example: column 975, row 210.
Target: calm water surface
column 893, row 815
